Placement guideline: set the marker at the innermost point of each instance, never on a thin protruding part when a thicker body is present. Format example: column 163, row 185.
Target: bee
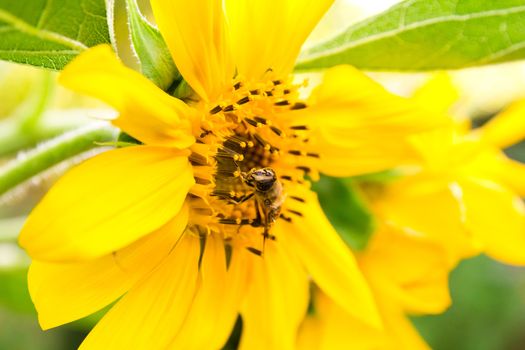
column 269, row 198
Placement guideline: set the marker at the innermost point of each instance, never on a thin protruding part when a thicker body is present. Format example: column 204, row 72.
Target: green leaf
column 426, row 35
column 50, row 33
column 126, row 138
column 153, row 54
column 346, row 210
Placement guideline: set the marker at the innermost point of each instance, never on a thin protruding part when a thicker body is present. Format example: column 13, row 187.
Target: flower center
column 247, row 155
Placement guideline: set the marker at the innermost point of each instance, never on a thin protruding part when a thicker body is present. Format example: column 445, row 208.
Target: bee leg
column 242, row 222
column 266, row 232
column 235, row 221
column 258, row 218
column 257, row 223
column 242, row 199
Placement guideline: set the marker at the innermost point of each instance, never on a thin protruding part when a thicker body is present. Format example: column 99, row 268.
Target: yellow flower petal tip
column 96, row 208
column 99, row 73
column 438, row 94
column 507, row 128
column 345, row 105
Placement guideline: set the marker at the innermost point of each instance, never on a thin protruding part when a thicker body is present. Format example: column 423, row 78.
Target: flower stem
column 53, row 152
column 13, row 139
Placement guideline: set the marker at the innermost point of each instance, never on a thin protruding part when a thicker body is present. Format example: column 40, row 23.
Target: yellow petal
column 276, row 301
column 446, row 148
column 493, row 164
column 268, row 34
column 310, row 334
column 431, row 207
column 146, row 112
column 150, row 314
column 359, row 127
column 510, row 173
column 66, row 292
column 438, row 94
column 496, row 216
column 339, row 330
column 408, row 270
column 507, row 128
column 326, row 257
column 107, row 203
column 401, row 333
column 195, row 32
column 217, row 303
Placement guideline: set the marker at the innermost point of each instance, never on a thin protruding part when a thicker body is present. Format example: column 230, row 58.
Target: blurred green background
column 489, row 298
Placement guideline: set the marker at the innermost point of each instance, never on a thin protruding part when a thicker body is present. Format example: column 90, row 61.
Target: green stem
column 13, row 139
column 53, row 152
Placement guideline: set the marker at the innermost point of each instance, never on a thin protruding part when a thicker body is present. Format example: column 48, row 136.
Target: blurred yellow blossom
column 466, row 195
column 407, row 275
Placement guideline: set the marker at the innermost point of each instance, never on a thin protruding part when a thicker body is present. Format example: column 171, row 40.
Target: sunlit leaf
column 50, row 33
column 428, row 34
column 155, row 59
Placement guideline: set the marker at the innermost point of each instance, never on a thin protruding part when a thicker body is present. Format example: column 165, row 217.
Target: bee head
column 261, row 179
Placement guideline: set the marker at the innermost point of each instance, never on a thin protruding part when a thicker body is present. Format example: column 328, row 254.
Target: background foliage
column 49, row 33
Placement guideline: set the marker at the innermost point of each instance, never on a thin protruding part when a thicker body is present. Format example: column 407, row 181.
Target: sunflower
column 467, row 194
column 407, row 274
column 211, row 216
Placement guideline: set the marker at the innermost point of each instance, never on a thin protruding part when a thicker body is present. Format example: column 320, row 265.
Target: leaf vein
column 501, row 53
column 413, row 26
column 42, row 34
column 43, row 15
